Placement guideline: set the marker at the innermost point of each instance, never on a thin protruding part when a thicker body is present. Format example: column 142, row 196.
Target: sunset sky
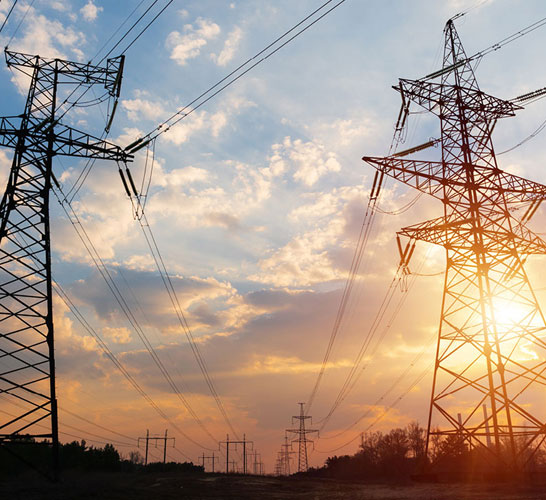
column 256, row 202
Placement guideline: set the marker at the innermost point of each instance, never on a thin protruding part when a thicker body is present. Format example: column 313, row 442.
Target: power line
column 131, row 28
column 147, row 26
column 103, row 270
column 160, row 265
column 90, row 163
column 107, row 276
column 103, row 438
column 117, row 30
column 181, row 114
column 385, row 411
column 21, row 21
column 8, row 14
column 365, row 230
column 112, row 357
column 63, row 409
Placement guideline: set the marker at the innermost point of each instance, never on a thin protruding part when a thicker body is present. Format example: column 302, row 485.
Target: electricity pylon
column 302, row 439
column 286, row 456
column 26, row 311
column 491, row 347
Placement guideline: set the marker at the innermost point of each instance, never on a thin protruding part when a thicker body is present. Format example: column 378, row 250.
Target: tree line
column 19, row 457
column 400, row 454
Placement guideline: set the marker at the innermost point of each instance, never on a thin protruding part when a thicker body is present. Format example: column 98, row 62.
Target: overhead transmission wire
column 113, row 358
column 363, row 348
column 7, row 15
column 90, row 422
column 146, row 27
column 118, row 28
column 400, row 378
column 106, row 275
column 509, row 39
column 540, row 128
column 130, row 29
column 125, row 309
column 101, row 437
column 365, row 230
column 373, row 330
column 385, row 412
column 175, row 302
column 104, row 57
column 182, row 113
column 173, row 296
column 21, row 21
column 355, row 373
column 112, row 286
column 81, row 319
column 398, row 137
column 91, row 162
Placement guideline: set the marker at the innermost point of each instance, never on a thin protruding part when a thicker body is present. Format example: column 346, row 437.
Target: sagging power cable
column 124, row 307
column 140, row 215
column 188, row 109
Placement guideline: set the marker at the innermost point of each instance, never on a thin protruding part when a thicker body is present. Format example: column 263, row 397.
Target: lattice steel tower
column 27, row 362
column 302, row 438
column 491, row 347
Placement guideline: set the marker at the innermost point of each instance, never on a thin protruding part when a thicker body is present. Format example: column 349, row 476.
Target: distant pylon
column 286, row 456
column 302, row 440
column 491, row 345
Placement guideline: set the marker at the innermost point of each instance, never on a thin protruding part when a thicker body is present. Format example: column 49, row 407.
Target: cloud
column 194, row 196
column 60, row 6
column 203, row 121
column 142, row 108
column 264, row 364
column 188, row 45
column 309, row 160
column 5, row 165
column 230, row 46
column 313, row 255
column 120, row 335
column 48, row 38
column 90, row 11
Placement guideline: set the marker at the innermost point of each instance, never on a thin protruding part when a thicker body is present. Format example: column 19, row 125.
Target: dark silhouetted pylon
column 27, row 366
column 302, row 439
column 491, row 345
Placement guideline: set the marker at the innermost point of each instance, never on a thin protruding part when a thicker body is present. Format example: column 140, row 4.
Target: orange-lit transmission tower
column 491, row 348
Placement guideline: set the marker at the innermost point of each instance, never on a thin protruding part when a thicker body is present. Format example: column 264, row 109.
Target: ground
column 234, row 487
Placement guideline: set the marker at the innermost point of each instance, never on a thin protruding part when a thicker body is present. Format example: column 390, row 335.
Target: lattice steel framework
column 491, row 348
column 302, row 438
column 27, row 364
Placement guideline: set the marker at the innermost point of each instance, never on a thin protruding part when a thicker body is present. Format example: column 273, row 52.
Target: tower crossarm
column 452, row 233
column 433, row 96
column 304, row 431
column 426, row 176
column 67, row 141
column 72, row 72
column 431, row 177
column 518, row 189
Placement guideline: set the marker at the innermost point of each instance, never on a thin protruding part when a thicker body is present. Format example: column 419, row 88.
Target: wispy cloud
column 187, row 44
column 230, row 47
